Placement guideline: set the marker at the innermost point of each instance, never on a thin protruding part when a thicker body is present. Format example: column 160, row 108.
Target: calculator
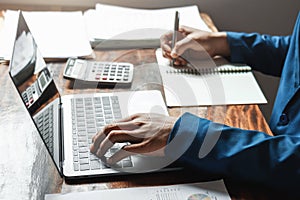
column 30, row 95
column 33, row 92
column 103, row 73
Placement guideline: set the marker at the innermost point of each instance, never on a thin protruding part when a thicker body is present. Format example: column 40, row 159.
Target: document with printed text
column 214, row 190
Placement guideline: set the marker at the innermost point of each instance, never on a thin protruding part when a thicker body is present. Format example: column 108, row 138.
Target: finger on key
column 114, row 137
column 100, row 136
column 119, row 155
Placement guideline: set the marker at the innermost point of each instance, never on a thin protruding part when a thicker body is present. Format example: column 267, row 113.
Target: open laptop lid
column 35, row 84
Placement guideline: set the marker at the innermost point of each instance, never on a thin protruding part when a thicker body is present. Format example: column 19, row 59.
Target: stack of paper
column 70, row 34
column 129, row 27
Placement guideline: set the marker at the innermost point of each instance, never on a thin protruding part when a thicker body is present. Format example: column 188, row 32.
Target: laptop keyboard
column 44, row 122
column 90, row 115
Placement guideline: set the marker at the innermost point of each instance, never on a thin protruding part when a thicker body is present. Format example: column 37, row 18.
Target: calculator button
column 98, row 75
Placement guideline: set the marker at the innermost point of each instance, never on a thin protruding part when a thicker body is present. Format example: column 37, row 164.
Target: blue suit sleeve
column 232, row 152
column 263, row 53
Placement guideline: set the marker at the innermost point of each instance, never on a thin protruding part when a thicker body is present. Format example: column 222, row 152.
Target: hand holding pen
column 192, row 44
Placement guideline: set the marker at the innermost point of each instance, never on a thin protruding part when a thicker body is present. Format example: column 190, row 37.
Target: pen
column 174, row 38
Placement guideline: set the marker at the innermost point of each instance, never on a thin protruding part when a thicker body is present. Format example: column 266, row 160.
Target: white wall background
column 275, row 17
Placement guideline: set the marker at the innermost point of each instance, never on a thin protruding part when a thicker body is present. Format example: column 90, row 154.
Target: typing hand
column 146, row 134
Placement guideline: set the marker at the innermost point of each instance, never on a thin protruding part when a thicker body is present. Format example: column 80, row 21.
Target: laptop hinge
column 61, row 137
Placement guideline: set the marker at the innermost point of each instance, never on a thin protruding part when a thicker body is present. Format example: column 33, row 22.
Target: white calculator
column 105, row 73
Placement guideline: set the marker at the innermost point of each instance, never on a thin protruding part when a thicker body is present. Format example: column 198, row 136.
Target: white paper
column 210, row 89
column 113, row 22
column 8, row 34
column 214, row 190
column 57, row 34
column 67, row 34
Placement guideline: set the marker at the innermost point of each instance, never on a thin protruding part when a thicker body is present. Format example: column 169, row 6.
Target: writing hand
column 194, row 44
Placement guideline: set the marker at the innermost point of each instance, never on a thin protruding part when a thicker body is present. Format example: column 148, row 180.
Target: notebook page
column 182, row 89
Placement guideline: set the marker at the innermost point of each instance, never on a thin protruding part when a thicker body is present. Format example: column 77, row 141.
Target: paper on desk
column 214, row 190
column 7, row 34
column 57, row 34
column 123, row 23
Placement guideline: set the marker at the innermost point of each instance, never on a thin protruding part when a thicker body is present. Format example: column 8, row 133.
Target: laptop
column 66, row 123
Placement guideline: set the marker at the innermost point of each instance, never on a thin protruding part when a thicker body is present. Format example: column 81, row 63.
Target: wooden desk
column 27, row 172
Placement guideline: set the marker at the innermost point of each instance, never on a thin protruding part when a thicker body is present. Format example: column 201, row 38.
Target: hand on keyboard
column 146, row 134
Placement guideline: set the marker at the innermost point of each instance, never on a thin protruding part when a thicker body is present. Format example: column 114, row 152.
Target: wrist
column 220, row 44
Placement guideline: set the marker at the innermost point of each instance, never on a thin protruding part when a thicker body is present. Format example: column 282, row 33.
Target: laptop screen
column 36, row 87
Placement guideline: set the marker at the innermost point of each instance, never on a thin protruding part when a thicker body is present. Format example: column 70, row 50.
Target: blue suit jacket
column 243, row 154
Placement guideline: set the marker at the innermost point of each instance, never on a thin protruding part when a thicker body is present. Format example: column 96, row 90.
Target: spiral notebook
column 224, row 84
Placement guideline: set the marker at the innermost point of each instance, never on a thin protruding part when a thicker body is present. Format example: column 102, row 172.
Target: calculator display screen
column 43, row 80
column 77, row 69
